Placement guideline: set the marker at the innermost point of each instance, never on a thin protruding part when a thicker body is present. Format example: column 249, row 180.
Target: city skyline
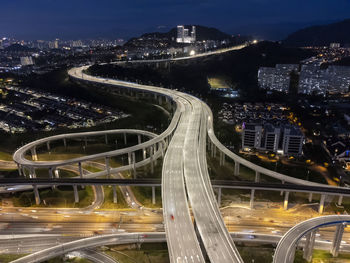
column 268, row 19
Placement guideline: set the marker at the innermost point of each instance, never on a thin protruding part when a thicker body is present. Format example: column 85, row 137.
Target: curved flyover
column 286, row 247
column 182, row 162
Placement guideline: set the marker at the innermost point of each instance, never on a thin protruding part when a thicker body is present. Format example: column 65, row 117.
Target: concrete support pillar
column 257, row 177
column 340, row 200
column 144, row 153
column 236, row 168
column 32, row 172
column 34, row 155
column 65, row 143
column 80, row 170
column 19, row 169
column 212, row 151
column 309, row 245
column 337, row 239
column 48, row 146
column 252, row 193
column 161, row 149
column 134, row 164
column 116, row 144
column 56, row 173
column 321, row 207
column 154, row 152
column 108, row 168
column 151, row 159
column 223, row 158
column 282, row 190
column 220, row 158
column 24, row 171
column 310, row 197
column 125, row 141
column 115, row 196
column 160, row 100
column 76, row 193
column 106, row 138
column 36, row 194
column 85, row 140
column 139, row 139
column 51, row 173
column 153, row 195
column 166, row 141
column 219, row 197
column 129, row 158
column 285, row 203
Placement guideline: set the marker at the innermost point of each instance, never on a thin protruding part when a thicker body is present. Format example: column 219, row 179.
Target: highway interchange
column 184, row 174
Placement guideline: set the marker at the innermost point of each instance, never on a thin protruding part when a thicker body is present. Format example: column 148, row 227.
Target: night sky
column 73, row 19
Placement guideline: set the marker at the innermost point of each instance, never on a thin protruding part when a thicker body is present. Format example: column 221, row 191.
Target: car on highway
column 172, row 217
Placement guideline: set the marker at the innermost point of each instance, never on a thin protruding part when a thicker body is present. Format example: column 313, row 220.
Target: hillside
column 202, row 33
column 321, row 35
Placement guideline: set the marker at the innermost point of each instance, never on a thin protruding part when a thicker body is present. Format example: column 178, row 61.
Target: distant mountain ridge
column 202, row 33
column 338, row 32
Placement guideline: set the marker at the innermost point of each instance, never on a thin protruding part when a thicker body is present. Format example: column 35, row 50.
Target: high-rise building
column 272, row 137
column 183, row 35
column 284, row 139
column 26, row 61
column 252, row 134
column 292, row 141
column 277, row 78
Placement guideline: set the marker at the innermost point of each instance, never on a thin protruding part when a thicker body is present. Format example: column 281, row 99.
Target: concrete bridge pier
column 56, row 173
column 251, row 204
column 321, row 206
column 219, row 196
column 139, row 139
column 108, row 168
column 32, row 172
column 310, row 197
column 51, row 173
column 19, row 169
column 160, row 146
column 115, row 196
column 134, row 164
column 36, row 194
column 76, row 193
column 155, row 148
column 309, row 245
column 337, row 239
column 282, row 190
column 153, row 195
column 340, row 200
column 33, row 153
column 151, row 159
column 65, row 143
column 144, row 153
column 236, row 168
column 125, row 141
column 106, row 138
column 85, row 141
column 285, row 203
column 129, row 158
column 48, row 146
column 80, row 170
column 257, row 177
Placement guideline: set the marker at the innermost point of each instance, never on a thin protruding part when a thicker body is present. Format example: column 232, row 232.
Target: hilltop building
column 183, row 35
